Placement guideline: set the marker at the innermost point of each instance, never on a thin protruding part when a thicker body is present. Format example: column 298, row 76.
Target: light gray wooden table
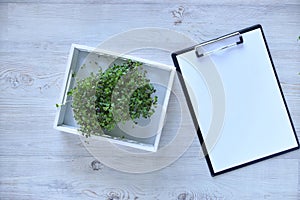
column 37, row 162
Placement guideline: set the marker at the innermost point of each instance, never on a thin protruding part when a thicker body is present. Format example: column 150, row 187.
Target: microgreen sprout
column 118, row 94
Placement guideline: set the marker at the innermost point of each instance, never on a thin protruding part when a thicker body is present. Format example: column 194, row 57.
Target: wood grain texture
column 37, row 162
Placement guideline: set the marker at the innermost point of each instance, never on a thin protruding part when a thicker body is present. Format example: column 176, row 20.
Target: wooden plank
column 204, row 2
column 75, row 178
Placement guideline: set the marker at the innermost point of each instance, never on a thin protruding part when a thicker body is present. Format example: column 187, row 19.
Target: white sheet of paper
column 256, row 123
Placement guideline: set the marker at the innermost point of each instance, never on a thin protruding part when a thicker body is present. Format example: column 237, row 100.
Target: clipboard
column 235, row 100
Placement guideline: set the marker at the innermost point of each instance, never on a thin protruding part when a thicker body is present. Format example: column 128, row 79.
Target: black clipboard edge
column 199, row 134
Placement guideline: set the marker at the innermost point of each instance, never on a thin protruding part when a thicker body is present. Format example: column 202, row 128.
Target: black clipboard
column 250, row 120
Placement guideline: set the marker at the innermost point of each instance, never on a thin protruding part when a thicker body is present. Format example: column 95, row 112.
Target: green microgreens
column 119, row 94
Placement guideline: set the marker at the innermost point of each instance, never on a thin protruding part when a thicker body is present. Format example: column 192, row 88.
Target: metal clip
column 240, row 41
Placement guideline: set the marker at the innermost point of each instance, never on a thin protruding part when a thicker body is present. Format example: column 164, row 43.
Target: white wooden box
column 160, row 75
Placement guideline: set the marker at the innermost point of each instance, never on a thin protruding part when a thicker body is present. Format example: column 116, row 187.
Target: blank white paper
column 256, row 122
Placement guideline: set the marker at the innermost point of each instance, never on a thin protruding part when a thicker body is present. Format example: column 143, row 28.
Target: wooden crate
column 161, row 76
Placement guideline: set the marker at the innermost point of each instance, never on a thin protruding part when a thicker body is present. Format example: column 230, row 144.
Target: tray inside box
column 85, row 61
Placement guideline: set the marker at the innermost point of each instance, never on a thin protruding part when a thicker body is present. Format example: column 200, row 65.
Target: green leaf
column 92, row 106
column 69, row 93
